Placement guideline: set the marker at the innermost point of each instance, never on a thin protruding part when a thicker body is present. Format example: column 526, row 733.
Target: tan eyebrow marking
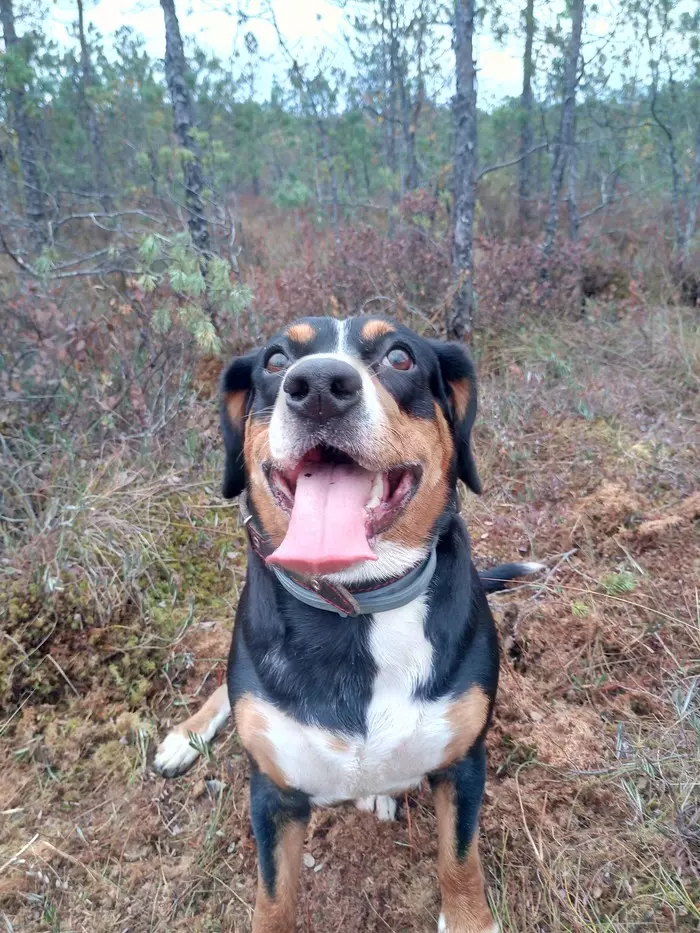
column 372, row 330
column 301, row 333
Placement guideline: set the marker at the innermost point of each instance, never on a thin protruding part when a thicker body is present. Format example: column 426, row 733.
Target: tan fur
column 253, row 728
column 416, row 440
column 198, row 722
column 256, row 449
column 301, row 333
column 464, row 903
column 461, row 393
column 467, row 716
column 278, row 914
column 372, row 330
column 235, row 406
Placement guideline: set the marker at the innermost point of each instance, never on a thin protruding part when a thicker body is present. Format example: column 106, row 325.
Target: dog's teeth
column 376, row 492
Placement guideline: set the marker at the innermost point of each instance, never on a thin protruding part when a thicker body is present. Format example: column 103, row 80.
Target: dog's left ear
column 459, row 384
column 236, row 384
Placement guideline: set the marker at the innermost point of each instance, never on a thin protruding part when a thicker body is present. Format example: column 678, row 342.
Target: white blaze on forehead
column 342, row 331
column 284, row 427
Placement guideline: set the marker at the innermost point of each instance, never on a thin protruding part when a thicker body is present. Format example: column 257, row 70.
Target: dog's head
column 349, row 437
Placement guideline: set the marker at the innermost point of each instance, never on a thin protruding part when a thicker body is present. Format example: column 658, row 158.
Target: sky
column 308, row 26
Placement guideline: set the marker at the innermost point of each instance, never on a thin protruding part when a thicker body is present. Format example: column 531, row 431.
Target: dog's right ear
column 236, row 384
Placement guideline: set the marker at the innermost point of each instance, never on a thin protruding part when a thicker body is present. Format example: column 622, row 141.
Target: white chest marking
column 405, row 737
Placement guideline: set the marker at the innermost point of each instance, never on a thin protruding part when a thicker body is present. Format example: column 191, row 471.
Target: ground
column 587, row 445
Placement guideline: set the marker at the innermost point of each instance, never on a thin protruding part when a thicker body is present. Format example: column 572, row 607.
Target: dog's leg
column 176, row 753
column 279, row 824
column 457, row 800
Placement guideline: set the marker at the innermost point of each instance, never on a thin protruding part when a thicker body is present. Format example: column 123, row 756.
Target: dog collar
column 319, row 593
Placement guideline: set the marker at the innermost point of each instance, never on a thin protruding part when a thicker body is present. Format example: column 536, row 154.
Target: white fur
column 383, row 806
column 393, row 560
column 175, row 753
column 342, row 326
column 405, row 737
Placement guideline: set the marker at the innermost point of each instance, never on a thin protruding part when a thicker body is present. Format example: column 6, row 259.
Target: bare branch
column 111, row 215
column 23, row 264
column 499, row 165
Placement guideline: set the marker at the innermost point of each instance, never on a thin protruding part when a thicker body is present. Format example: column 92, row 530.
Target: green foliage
column 292, row 193
column 190, row 288
column 614, row 584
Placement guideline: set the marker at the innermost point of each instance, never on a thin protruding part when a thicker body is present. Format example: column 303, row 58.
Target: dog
column 364, row 654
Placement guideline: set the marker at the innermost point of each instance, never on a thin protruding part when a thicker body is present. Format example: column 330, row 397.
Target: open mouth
column 337, row 507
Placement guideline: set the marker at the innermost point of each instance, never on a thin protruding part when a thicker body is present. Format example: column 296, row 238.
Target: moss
column 100, row 636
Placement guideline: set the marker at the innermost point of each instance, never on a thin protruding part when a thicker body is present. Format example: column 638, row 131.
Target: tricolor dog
column 364, row 654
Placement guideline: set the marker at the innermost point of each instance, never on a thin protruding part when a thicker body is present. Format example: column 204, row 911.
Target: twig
column 62, row 673
column 93, row 215
column 499, row 165
column 24, row 266
column 23, row 849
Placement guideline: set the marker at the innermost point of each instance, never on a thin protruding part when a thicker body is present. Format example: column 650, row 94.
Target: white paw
column 383, row 806
column 175, row 755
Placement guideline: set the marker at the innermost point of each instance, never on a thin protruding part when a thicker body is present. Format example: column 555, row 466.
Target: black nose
column 322, row 389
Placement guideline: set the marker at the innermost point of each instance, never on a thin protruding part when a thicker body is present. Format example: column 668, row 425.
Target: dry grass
column 119, row 588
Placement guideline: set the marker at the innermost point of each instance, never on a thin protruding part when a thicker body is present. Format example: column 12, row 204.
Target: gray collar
column 392, row 595
column 333, row 597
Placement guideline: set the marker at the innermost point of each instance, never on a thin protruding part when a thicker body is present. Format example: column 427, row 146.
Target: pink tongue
column 327, row 527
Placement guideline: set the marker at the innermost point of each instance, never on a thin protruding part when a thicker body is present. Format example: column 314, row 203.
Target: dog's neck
column 407, row 573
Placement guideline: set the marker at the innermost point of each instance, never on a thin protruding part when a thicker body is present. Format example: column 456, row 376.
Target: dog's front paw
column 443, row 928
column 175, row 755
column 383, row 806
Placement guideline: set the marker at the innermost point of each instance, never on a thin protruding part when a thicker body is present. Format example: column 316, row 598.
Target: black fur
column 236, row 378
column 271, row 809
column 455, row 366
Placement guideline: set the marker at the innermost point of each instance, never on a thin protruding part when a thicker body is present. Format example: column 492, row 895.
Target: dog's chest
column 404, row 737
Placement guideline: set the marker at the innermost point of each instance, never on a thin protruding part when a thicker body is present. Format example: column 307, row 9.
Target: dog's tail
column 495, row 579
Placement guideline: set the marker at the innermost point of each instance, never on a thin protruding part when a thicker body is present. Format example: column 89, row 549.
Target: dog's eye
column 277, row 362
column 398, row 358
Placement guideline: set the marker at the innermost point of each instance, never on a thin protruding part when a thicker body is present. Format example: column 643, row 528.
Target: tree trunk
column 92, row 123
column 460, row 316
column 28, row 139
column 526, row 134
column 572, row 200
column 328, row 159
column 176, row 77
column 409, row 121
column 565, row 138
column 692, row 218
column 391, row 118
